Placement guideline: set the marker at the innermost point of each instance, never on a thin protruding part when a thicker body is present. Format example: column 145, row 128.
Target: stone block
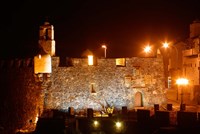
column 156, row 107
column 169, row 107
column 71, row 111
column 89, row 113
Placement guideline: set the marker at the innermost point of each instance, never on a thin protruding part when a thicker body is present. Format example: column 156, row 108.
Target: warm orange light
column 120, row 61
column 182, row 81
column 95, row 123
column 42, row 64
column 147, row 49
column 118, row 124
column 90, row 60
column 104, row 46
column 36, row 118
column 165, row 45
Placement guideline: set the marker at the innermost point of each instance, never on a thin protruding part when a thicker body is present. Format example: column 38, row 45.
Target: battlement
column 16, row 63
column 83, row 62
column 72, row 62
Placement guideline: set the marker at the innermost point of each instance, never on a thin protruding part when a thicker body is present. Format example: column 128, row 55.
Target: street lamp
column 167, row 45
column 173, row 63
column 105, row 47
column 147, row 49
column 181, row 82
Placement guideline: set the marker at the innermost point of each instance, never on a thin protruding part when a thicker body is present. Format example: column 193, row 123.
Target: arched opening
column 138, row 99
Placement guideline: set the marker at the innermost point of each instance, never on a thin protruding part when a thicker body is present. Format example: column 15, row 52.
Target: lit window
column 90, row 60
column 121, row 62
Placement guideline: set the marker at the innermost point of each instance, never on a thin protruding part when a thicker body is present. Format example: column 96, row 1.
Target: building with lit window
column 187, row 65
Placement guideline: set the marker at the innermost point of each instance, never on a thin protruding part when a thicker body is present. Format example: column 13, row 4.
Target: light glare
column 104, row 46
column 118, row 124
column 36, row 118
column 182, row 81
column 96, row 123
column 90, row 59
column 147, row 49
column 165, row 45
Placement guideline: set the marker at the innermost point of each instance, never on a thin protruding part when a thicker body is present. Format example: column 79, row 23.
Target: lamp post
column 104, row 47
column 166, row 46
column 181, row 82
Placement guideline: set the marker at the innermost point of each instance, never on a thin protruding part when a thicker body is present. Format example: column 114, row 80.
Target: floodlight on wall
column 96, row 124
column 42, row 67
column 119, row 126
column 90, row 60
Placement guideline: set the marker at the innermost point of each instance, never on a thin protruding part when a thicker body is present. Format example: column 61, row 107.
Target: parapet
column 16, row 63
column 111, row 62
column 74, row 62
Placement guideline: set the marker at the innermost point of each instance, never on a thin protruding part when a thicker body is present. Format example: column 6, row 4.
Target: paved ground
column 172, row 99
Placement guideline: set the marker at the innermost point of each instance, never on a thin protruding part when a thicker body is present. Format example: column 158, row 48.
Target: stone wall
column 23, row 96
column 20, row 95
column 117, row 86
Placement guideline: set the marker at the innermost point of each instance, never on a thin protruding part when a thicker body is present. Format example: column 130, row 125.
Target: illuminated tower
column 42, row 61
column 46, row 38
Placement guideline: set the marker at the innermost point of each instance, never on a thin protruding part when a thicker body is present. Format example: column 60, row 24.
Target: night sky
column 125, row 26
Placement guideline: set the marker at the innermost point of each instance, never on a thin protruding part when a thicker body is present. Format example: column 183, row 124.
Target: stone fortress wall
column 138, row 82
column 82, row 86
column 20, row 94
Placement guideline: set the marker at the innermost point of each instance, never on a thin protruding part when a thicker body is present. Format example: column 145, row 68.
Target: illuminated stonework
column 42, row 64
column 41, row 83
column 139, row 83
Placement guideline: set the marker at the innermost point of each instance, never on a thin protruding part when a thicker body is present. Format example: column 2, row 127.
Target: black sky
column 125, row 26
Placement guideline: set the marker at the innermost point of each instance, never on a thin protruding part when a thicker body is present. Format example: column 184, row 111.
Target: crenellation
column 16, row 63
column 55, row 61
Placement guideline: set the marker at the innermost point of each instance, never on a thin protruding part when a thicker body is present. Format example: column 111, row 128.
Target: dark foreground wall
column 19, row 96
